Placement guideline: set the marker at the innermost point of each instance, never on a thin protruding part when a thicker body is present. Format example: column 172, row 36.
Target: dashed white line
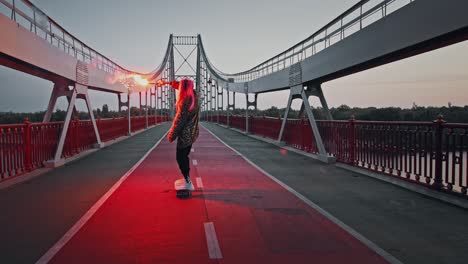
column 195, row 162
column 199, row 183
column 212, row 241
column 387, row 256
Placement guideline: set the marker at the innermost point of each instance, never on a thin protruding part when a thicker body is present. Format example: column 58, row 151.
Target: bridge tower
column 183, row 63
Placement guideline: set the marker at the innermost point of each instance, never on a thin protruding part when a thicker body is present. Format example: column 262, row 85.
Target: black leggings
column 183, row 160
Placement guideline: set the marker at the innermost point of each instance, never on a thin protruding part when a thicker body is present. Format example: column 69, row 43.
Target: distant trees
column 105, row 109
column 452, row 114
column 59, row 115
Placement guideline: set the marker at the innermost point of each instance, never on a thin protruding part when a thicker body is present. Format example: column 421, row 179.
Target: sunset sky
column 237, row 35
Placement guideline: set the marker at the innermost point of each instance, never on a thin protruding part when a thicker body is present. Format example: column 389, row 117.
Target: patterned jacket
column 185, row 124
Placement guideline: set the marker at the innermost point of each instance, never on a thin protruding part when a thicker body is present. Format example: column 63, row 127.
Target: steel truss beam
column 153, row 92
column 61, row 88
column 298, row 92
column 249, row 104
column 315, row 89
column 79, row 91
column 229, row 105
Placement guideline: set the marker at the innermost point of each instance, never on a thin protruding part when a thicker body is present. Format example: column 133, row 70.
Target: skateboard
column 180, row 191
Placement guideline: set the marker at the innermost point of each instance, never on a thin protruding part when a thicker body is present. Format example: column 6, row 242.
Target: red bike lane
column 237, row 215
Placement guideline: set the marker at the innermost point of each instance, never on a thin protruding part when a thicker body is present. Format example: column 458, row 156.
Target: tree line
column 59, row 115
column 452, row 114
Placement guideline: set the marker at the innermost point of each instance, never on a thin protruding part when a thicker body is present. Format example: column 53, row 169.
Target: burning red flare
column 140, row 80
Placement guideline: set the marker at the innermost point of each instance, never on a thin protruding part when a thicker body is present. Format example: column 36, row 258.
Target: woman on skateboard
column 185, row 127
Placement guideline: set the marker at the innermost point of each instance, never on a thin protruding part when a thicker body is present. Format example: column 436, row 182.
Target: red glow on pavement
column 255, row 219
column 283, row 152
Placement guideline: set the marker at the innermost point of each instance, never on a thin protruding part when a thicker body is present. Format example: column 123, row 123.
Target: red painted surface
column 256, row 220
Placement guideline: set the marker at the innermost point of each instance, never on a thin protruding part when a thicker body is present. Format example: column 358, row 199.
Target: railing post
column 13, row 11
column 438, row 130
column 146, row 109
column 352, row 141
column 27, row 143
column 247, row 121
column 129, row 116
column 304, row 132
column 75, row 135
column 98, row 125
column 360, row 17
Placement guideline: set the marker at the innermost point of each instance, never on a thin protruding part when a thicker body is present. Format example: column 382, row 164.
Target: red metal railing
column 454, row 154
column 237, row 122
column 337, row 137
column 44, row 137
column 152, row 120
column 265, row 127
column 433, row 154
column 138, row 123
column 80, row 137
column 161, row 119
column 12, row 138
column 110, row 129
column 223, row 120
column 25, row 147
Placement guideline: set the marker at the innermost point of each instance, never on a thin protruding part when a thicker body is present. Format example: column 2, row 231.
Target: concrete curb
column 444, row 197
column 328, row 160
column 453, row 200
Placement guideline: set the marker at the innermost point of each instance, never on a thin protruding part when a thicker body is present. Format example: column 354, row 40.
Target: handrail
column 70, row 44
column 336, row 29
column 300, row 51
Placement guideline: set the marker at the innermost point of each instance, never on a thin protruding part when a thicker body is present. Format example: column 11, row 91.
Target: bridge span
column 368, row 34
column 254, row 203
column 268, row 190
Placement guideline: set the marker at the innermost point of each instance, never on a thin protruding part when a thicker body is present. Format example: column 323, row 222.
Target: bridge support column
column 219, row 100
column 162, row 100
column 316, row 90
column 229, row 105
column 208, row 101
column 298, row 92
column 247, row 105
column 146, row 108
column 60, row 89
column 126, row 104
column 172, row 102
column 214, row 103
column 79, row 92
column 129, row 115
column 139, row 94
column 153, row 94
column 122, row 104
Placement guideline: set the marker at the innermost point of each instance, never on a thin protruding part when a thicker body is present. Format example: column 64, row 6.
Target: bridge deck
column 255, row 219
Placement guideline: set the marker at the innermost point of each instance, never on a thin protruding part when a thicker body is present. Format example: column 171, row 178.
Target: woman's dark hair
column 186, row 90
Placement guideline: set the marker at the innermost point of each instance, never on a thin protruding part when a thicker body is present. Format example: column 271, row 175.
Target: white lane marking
column 199, row 183
column 212, row 241
column 387, row 256
column 195, row 162
column 193, row 150
column 78, row 225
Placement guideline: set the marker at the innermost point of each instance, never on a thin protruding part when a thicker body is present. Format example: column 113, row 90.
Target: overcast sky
column 237, row 35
